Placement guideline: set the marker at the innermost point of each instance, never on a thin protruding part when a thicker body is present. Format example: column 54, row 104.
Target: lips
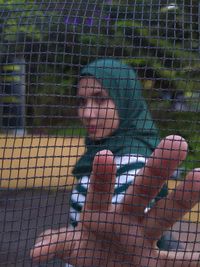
column 91, row 128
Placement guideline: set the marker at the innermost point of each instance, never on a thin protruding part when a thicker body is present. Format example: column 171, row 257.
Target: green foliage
column 34, row 31
column 20, row 18
column 161, row 39
column 158, row 39
column 187, row 125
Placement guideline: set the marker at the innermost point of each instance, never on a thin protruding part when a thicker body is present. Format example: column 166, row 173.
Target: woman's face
column 96, row 110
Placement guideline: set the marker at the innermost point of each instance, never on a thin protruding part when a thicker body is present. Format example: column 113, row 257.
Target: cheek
column 116, row 123
column 116, row 120
column 112, row 119
column 80, row 113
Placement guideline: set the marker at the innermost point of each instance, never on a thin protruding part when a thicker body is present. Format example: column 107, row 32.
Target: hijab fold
column 137, row 133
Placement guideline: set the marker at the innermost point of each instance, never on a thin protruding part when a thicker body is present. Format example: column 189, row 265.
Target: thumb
column 51, row 244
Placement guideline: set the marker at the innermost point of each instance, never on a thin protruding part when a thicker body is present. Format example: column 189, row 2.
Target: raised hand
column 123, row 234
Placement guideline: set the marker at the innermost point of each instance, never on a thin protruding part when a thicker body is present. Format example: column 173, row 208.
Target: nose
column 89, row 110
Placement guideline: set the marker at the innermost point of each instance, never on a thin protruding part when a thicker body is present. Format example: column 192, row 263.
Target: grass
column 187, row 125
column 72, row 131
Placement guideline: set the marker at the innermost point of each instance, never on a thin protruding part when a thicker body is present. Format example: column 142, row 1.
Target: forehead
column 89, row 86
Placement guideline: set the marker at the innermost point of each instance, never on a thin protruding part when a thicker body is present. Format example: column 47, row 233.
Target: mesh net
column 83, row 76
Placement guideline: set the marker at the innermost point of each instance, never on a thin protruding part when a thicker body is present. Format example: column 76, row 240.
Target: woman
column 115, row 114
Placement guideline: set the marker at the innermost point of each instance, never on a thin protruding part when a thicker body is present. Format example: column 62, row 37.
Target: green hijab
column 137, row 133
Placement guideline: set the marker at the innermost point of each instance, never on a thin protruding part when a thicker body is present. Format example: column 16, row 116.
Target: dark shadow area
column 24, row 214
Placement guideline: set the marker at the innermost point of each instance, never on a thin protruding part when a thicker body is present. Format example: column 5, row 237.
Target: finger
column 179, row 259
column 102, row 181
column 167, row 156
column 175, row 206
column 49, row 232
column 52, row 244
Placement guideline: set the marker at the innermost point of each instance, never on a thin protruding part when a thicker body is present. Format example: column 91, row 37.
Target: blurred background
column 43, row 46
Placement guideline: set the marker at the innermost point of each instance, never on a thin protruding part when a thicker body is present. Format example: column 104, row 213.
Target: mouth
column 91, row 129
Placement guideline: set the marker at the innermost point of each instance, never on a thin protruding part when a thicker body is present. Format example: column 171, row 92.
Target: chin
column 94, row 136
column 97, row 137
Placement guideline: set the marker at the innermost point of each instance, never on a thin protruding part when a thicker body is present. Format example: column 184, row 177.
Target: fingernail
column 41, row 243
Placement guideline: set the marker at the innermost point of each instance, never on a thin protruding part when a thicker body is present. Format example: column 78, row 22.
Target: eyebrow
column 99, row 93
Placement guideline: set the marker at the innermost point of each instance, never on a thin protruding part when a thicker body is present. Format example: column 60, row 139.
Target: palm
column 108, row 244
column 122, row 234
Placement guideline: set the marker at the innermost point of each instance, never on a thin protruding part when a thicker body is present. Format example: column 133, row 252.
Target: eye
column 81, row 101
column 99, row 98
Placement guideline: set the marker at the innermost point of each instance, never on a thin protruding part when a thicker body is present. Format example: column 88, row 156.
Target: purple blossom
column 107, row 18
column 97, row 13
column 89, row 21
column 72, row 20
